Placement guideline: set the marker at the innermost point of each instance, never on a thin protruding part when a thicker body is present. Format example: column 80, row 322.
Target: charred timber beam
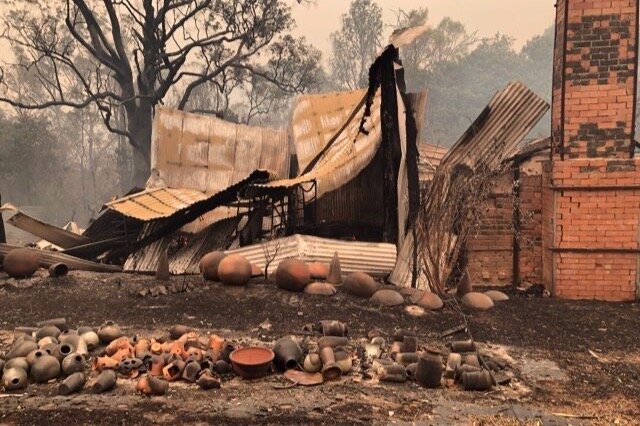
column 3, row 236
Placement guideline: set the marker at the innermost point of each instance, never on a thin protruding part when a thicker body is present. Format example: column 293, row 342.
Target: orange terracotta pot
column 292, row 275
column 234, row 270
column 209, row 265
column 118, row 344
column 103, row 363
column 156, row 364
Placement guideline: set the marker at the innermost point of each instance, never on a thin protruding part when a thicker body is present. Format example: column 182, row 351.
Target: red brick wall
column 530, row 237
column 593, row 232
column 595, row 69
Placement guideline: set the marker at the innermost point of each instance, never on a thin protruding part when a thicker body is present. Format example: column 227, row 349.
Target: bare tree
column 355, row 46
column 128, row 54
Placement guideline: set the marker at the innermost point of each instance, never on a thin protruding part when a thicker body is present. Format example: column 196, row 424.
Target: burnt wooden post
column 3, row 236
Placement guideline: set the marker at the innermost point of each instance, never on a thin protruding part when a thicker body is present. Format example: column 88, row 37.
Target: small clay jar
column 91, row 339
column 20, row 362
column 47, row 340
column 78, row 343
column 288, row 354
column 35, row 355
column 73, row 363
column 334, row 328
column 104, row 382
column 332, row 341
column 222, row 367
column 406, row 358
column 477, row 380
column 343, row 359
column 209, row 265
column 62, row 350
column 155, row 365
column 103, row 362
column 292, row 275
column 463, row 346
column 312, row 363
column 330, row 370
column 178, row 330
column 429, row 371
column 116, row 345
column 72, row 384
column 48, row 330
column 109, row 331
column 152, row 386
column 45, row 368
column 14, row 379
column 173, row 371
column 191, row 371
column 22, row 349
column 392, row 373
column 412, row 369
column 208, row 381
column 21, row 263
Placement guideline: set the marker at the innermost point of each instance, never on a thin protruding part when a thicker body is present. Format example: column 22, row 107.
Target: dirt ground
column 572, row 362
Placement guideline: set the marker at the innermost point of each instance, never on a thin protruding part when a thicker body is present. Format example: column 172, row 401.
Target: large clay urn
column 109, row 331
column 292, row 275
column 234, row 270
column 429, row 370
column 360, row 284
column 21, row 263
column 209, row 265
column 288, row 354
column 45, row 368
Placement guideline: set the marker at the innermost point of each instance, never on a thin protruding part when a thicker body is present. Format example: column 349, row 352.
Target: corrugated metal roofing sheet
column 157, row 203
column 403, row 36
column 429, row 158
column 373, row 258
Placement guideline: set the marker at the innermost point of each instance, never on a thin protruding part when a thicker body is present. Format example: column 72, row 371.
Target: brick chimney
column 594, row 79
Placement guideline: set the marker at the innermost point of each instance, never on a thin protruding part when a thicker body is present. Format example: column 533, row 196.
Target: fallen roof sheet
column 373, row 258
column 48, row 258
column 53, row 234
column 157, row 203
column 403, row 36
column 350, row 152
column 429, row 158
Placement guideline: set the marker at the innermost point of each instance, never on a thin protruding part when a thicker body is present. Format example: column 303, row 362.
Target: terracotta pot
column 335, row 272
column 178, row 330
column 117, row 344
column 318, row 270
column 343, row 359
column 477, row 301
column 194, row 353
column 209, row 265
column 463, row 346
column 312, row 363
column 156, row 348
column 225, row 354
column 155, row 365
column 22, row 349
column 51, row 348
column 128, row 365
column 406, row 358
column 141, row 347
column 292, row 275
column 103, row 363
column 387, row 297
column 83, row 329
column 109, row 331
column 471, row 359
column 35, row 355
column 428, row 300
column 332, row 341
column 497, row 296
column 333, row 328
column 412, row 369
column 20, row 362
column 330, row 370
column 252, row 362
column 152, row 386
column 234, row 270
column 173, row 371
column 73, row 363
column 91, row 339
column 477, row 380
column 21, row 263
column 465, row 368
column 320, row 289
column 222, row 367
column 410, row 344
column 256, row 271
column 191, row 371
column 72, row 384
column 360, row 284
column 58, row 270
column 208, row 381
column 45, row 368
column 395, row 348
column 14, row 379
column 393, row 373
column 122, row 354
column 46, row 341
column 47, row 331
column 288, row 354
column 216, row 344
column 77, row 342
column 105, row 381
column 429, row 371
column 454, row 361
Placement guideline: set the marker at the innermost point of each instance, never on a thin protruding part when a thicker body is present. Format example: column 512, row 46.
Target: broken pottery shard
column 477, row 301
column 415, row 311
column 335, row 271
column 162, row 272
column 322, row 289
column 387, row 297
column 496, row 296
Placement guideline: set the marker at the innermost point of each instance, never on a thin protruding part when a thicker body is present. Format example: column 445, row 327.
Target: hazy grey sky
column 521, row 19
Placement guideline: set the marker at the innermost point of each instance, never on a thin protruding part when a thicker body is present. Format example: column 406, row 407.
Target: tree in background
column 355, row 45
column 140, row 50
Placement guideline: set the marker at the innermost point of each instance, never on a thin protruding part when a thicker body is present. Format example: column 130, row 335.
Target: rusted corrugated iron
column 48, row 258
column 373, row 258
column 429, row 158
column 157, row 203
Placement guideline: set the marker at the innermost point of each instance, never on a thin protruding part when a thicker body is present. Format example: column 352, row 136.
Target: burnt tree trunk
column 139, row 125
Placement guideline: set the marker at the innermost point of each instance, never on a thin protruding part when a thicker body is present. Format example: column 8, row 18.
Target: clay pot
column 360, row 284
column 59, row 322
column 45, row 368
column 429, row 371
column 72, row 384
column 208, row 381
column 66, row 335
column 496, row 296
column 387, row 297
column 392, row 373
column 332, row 341
column 410, row 344
column 292, row 275
column 14, row 379
column 225, row 354
column 46, row 341
column 312, row 363
column 127, row 366
column 222, row 367
column 83, row 329
column 173, row 371
column 50, row 348
column 256, row 271
column 76, row 341
column 406, row 358
column 104, row 363
column 478, row 301
column 428, row 300
column 116, row 345
column 109, row 331
column 123, row 354
column 35, row 355
column 178, row 330
column 209, row 265
column 152, row 386
column 477, row 380
column 465, row 368
column 335, row 272
column 21, row 263
column 62, row 350
column 343, row 359
column 454, row 361
column 22, row 349
column 333, row 328
column 412, row 369
column 194, row 353
column 395, row 348
column 156, row 347
column 471, row 359
column 191, row 371
column 105, row 381
column 73, row 363
column 49, row 330
column 155, row 365
column 234, row 270
column 318, row 270
column 320, row 289
column 91, row 339
column 141, row 347
column 462, row 346
column 20, row 362
column 58, row 270
column 288, row 354
column 330, row 370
